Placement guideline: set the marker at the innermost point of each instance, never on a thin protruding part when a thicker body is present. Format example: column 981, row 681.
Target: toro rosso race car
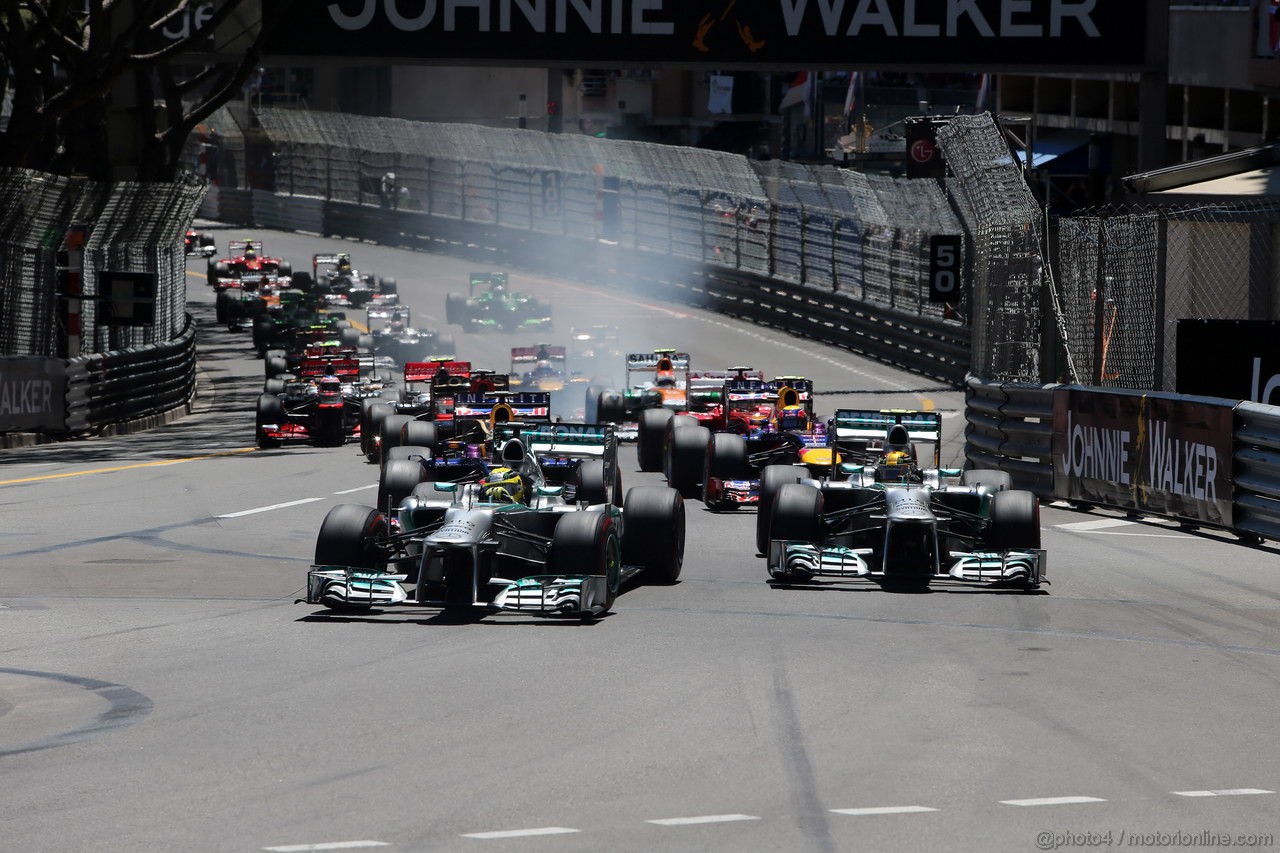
column 892, row 522
column 510, row 542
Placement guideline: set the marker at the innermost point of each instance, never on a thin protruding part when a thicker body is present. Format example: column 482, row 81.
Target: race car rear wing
column 560, row 440
column 648, row 361
column 236, row 248
column 718, row 379
column 335, row 366
column 524, row 405
column 867, row 429
column 426, row 371
column 530, row 355
column 487, row 280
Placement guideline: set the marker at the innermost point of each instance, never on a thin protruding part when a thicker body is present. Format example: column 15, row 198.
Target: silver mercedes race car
column 510, row 542
column 892, row 522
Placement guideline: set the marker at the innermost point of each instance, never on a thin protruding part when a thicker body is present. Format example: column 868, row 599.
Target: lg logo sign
column 922, row 151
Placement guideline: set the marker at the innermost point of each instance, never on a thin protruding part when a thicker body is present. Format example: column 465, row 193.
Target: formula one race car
column 902, row 526
column 491, row 306
column 198, row 244
column 677, row 444
column 245, row 259
column 322, row 406
column 540, row 367
column 510, row 542
column 654, row 380
column 399, row 342
column 340, row 284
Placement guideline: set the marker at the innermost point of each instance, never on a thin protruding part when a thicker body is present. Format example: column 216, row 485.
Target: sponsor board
column 1235, row 359
column 846, row 34
column 32, row 394
column 1146, row 452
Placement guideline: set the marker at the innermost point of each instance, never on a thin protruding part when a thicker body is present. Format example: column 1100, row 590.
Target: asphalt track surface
column 160, row 689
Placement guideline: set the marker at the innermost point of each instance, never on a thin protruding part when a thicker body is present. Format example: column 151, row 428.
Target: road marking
column 885, row 810
column 197, row 274
column 268, row 508
column 708, row 818
column 126, row 467
column 1226, row 792
column 1096, row 524
column 329, row 845
column 357, row 489
column 522, row 833
column 1052, row 801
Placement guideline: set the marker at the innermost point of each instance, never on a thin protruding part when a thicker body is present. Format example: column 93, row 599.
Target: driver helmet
column 502, row 485
column 897, row 457
column 792, row 417
column 344, row 265
column 666, row 378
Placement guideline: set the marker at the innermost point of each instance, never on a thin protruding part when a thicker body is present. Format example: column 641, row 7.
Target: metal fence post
column 1099, row 303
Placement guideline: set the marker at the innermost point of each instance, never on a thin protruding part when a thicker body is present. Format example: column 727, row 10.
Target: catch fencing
column 815, row 227
column 130, row 227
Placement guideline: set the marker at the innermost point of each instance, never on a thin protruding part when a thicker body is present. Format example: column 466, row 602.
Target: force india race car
column 509, row 543
column 654, row 380
column 902, row 526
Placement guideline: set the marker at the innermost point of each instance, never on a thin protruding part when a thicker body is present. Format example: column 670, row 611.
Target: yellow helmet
column 897, row 457
column 502, row 485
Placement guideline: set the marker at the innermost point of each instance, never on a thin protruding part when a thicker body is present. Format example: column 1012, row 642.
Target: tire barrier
column 138, row 383
column 923, row 345
column 1257, row 470
column 1009, row 427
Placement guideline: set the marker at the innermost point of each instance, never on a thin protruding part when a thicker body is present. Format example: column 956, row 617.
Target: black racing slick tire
column 371, row 419
column 796, row 517
column 275, row 365
column 408, row 451
column 349, row 536
column 270, row 410
column 1015, row 521
column 591, row 487
column 586, row 543
column 398, row 480
column 273, row 386
column 421, row 433
column 773, row 478
column 726, row 460
column 455, row 309
column 611, row 408
column 688, row 455
column 653, row 532
column 653, row 425
column 389, row 434
column 998, row 480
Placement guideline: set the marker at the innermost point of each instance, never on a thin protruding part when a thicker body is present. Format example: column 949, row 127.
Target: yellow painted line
column 126, row 467
column 197, row 274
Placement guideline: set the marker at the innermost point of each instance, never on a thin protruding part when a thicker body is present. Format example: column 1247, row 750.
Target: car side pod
column 555, row 595
column 1027, row 567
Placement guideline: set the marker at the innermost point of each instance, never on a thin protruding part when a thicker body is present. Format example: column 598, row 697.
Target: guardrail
column 1009, row 427
column 922, row 345
column 132, row 384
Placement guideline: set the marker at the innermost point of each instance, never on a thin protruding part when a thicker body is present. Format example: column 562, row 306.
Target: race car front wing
column 1027, row 566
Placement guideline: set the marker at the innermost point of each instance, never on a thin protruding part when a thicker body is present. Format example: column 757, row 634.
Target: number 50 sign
column 945, row 267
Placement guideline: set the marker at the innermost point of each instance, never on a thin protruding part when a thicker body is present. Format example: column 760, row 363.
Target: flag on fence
column 851, row 97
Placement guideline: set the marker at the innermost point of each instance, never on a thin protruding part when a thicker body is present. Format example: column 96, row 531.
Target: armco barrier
column 922, row 345
column 140, row 382
column 1009, row 428
column 1257, row 469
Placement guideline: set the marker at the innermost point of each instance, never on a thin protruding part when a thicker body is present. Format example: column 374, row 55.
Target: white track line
column 331, row 845
column 1225, row 792
column 708, row 818
column 268, row 508
column 1096, row 524
column 357, row 489
column 1052, row 801
column 885, row 810
column 522, row 833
